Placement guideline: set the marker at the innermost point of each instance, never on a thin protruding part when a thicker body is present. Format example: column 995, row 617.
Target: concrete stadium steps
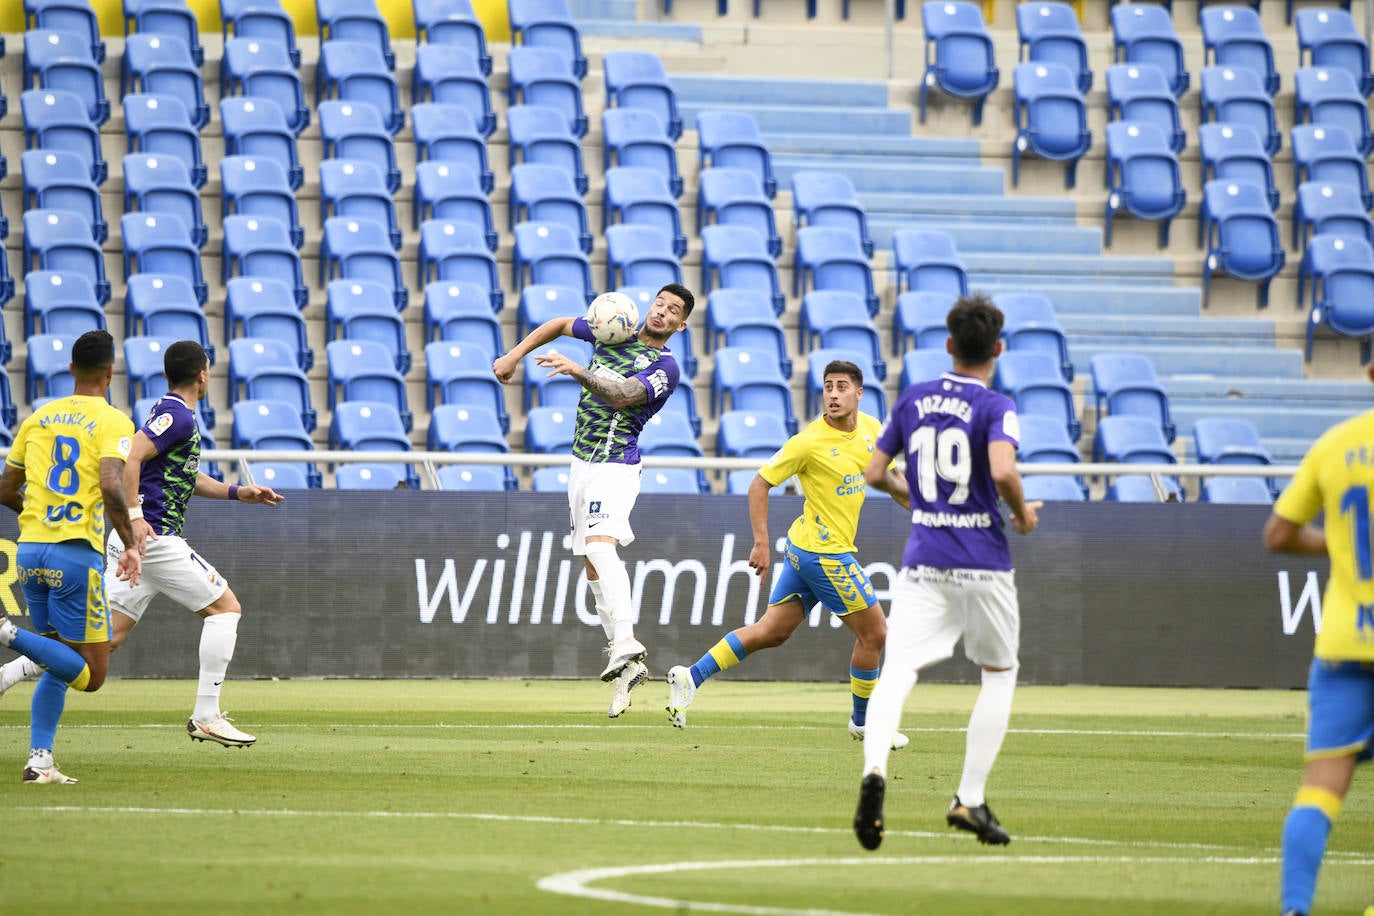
column 1117, row 299
column 879, row 174
column 993, row 235
column 1007, row 268
column 1180, row 359
column 1123, row 330
column 1306, row 424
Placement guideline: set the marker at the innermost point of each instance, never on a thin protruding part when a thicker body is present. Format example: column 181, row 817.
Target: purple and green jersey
column 605, row 433
column 169, row 478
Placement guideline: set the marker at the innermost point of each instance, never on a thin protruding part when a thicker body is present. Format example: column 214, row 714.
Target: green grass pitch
column 520, row 797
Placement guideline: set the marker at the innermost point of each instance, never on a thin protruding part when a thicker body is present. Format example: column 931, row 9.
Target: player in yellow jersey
column 1337, row 478
column 828, row 458
column 68, row 458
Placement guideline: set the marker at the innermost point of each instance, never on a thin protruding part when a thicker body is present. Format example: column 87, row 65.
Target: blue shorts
column 1340, row 709
column 836, row 580
column 64, row 590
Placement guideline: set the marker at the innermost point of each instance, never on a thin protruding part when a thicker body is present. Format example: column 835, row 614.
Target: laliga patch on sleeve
column 1011, row 425
column 125, row 444
column 159, row 424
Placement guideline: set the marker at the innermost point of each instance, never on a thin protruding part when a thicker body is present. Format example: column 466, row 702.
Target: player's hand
column 1025, row 524
column 557, row 364
column 263, row 496
column 142, row 532
column 504, row 368
column 129, row 566
column 760, row 558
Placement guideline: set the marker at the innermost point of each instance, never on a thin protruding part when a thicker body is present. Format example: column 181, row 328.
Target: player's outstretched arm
column 1002, row 461
column 1280, row 536
column 210, row 488
column 504, row 366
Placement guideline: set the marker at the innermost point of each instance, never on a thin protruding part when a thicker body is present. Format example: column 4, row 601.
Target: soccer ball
column 613, row 318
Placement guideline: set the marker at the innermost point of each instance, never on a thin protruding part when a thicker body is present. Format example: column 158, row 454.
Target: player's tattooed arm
column 617, row 393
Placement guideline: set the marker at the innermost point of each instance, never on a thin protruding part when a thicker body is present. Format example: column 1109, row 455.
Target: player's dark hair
column 975, row 325
column 845, row 367
column 182, row 362
column 683, row 293
column 92, row 354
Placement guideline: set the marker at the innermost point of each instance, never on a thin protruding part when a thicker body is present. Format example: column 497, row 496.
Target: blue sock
column 725, row 654
column 1304, row 843
column 861, row 684
column 49, row 698
column 57, row 657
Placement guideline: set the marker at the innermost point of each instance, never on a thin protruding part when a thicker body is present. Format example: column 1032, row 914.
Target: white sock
column 22, row 668
column 615, row 588
column 217, row 637
column 602, row 613
column 884, row 715
column 7, row 631
column 987, row 726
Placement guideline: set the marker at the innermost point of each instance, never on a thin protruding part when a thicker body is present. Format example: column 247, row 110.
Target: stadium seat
column 640, row 256
column 550, row 480
column 264, row 424
column 541, row 302
column 356, row 73
column 461, row 311
column 731, row 139
column 1140, row 93
column 1236, row 95
column 367, row 426
column 1045, row 440
column 1233, row 37
column 1242, row 235
column 143, row 364
column 549, row 430
column 828, row 199
column 452, row 22
column 1033, row 380
column 457, row 253
column 281, row 475
column 753, row 381
column 64, row 62
column 681, row 481
column 162, row 305
column 264, row 69
column 1052, row 488
column 460, row 373
column 47, row 367
column 1049, row 33
column 353, row 476
column 734, row 197
column 363, row 310
column 1328, row 155
column 1051, row 118
column 161, row 184
column 261, row 248
column 58, row 120
column 1228, row 440
column 743, row 434
column 1143, row 177
column 1125, row 384
column 548, row 24
column 356, row 190
column 157, row 64
column 1328, row 38
column 668, row 433
column 734, row 308
column 832, row 259
column 260, row 20
column 448, row 133
column 635, row 137
column 636, row 79
column 539, row 76
column 1342, row 273
column 756, row 332
column 452, row 192
column 363, row 370
column 918, row 321
column 736, row 257
column 1131, row 439
column 1330, row 97
column 544, row 194
column 261, row 368
column 257, row 128
column 77, row 17
column 1233, row 152
column 923, row 365
column 1031, row 324
column 1236, row 490
column 959, row 56
column 157, row 242
column 1144, row 34
column 59, row 180
column 737, row 483
column 358, row 21
column 838, row 320
column 478, row 477
column 683, row 400
column 58, row 304
column 641, row 197
column 172, row 18
column 266, row 308
column 926, row 261
column 541, row 135
column 60, row 240
column 560, row 390
column 1140, row 488
column 1329, row 209
column 159, row 125
column 549, row 254
column 360, row 249
column 449, row 75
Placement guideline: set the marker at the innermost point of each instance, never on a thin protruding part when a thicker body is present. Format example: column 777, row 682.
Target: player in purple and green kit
column 959, row 438
column 623, row 387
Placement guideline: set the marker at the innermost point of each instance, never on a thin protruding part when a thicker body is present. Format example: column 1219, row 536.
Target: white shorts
column 600, row 497
column 171, row 568
column 932, row 608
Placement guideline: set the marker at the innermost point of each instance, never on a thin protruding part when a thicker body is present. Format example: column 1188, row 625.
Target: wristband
column 135, row 514
column 233, row 491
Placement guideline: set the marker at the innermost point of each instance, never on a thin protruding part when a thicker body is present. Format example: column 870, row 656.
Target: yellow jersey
column 59, row 447
column 1337, row 475
column 830, row 466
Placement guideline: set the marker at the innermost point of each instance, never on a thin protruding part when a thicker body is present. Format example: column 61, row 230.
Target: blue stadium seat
column 265, row 308
column 1228, row 440
column 640, row 256
column 1139, row 488
column 549, row 254
column 959, row 56
column 828, row 199
column 1052, row 488
column 1328, row 155
column 263, row 69
column 143, row 364
column 1236, row 95
column 172, row 18
column 749, row 312
column 457, row 253
column 762, row 332
column 737, row 483
column 1143, row 177
column 356, row 190
column 161, row 184
column 1144, row 34
column 1051, row 118
column 60, row 240
column 363, row 310
column 753, row 381
column 1330, row 97
column 1329, row 209
column 1342, row 273
column 1236, row 490
column 1233, row 37
column 1140, row 93
column 549, row 430
column 1031, row 324
column 452, row 22
column 58, row 304
column 363, row 370
column 157, row 243
column 918, row 321
column 282, row 475
column 162, row 305
column 683, row 400
column 1045, row 440
column 838, row 320
column 539, row 76
column 453, row 192
column 641, row 197
column 262, row 249
column 264, row 424
column 1131, row 439
column 47, row 367
column 159, row 125
column 54, row 119
column 548, row 24
column 63, row 62
column 354, row 130
column 1327, row 38
column 368, row 426
column 731, row 139
column 460, row 373
column 926, row 261
column 635, row 137
column 357, row 476
column 360, row 249
column 544, row 194
column 261, row 368
column 1233, row 152
column 156, row 64
column 541, row 302
column 668, row 433
column 1049, row 33
column 459, row 311
column 260, row 20
column 1242, row 235
column 734, row 197
column 6, row 294
column 1034, row 381
column 560, row 390
column 636, row 79
column 743, row 434
column 477, row 477
column 449, row 75
column 541, row 135
column 832, row 259
column 357, row 21
column 1126, row 385
column 448, row 133
column 257, row 127
column 680, row 481
column 550, row 480
column 59, row 180
column 75, row 16
column 356, row 73
column 736, row 257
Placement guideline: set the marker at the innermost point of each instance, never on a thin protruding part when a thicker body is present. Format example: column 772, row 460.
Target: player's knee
column 227, row 603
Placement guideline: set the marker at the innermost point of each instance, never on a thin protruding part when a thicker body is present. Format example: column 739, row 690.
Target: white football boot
column 630, row 677
column 681, row 691
column 899, row 740
column 220, row 730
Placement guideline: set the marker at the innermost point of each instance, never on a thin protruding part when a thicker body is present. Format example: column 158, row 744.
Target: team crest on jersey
column 642, row 362
column 868, row 444
column 125, row 444
column 160, row 424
